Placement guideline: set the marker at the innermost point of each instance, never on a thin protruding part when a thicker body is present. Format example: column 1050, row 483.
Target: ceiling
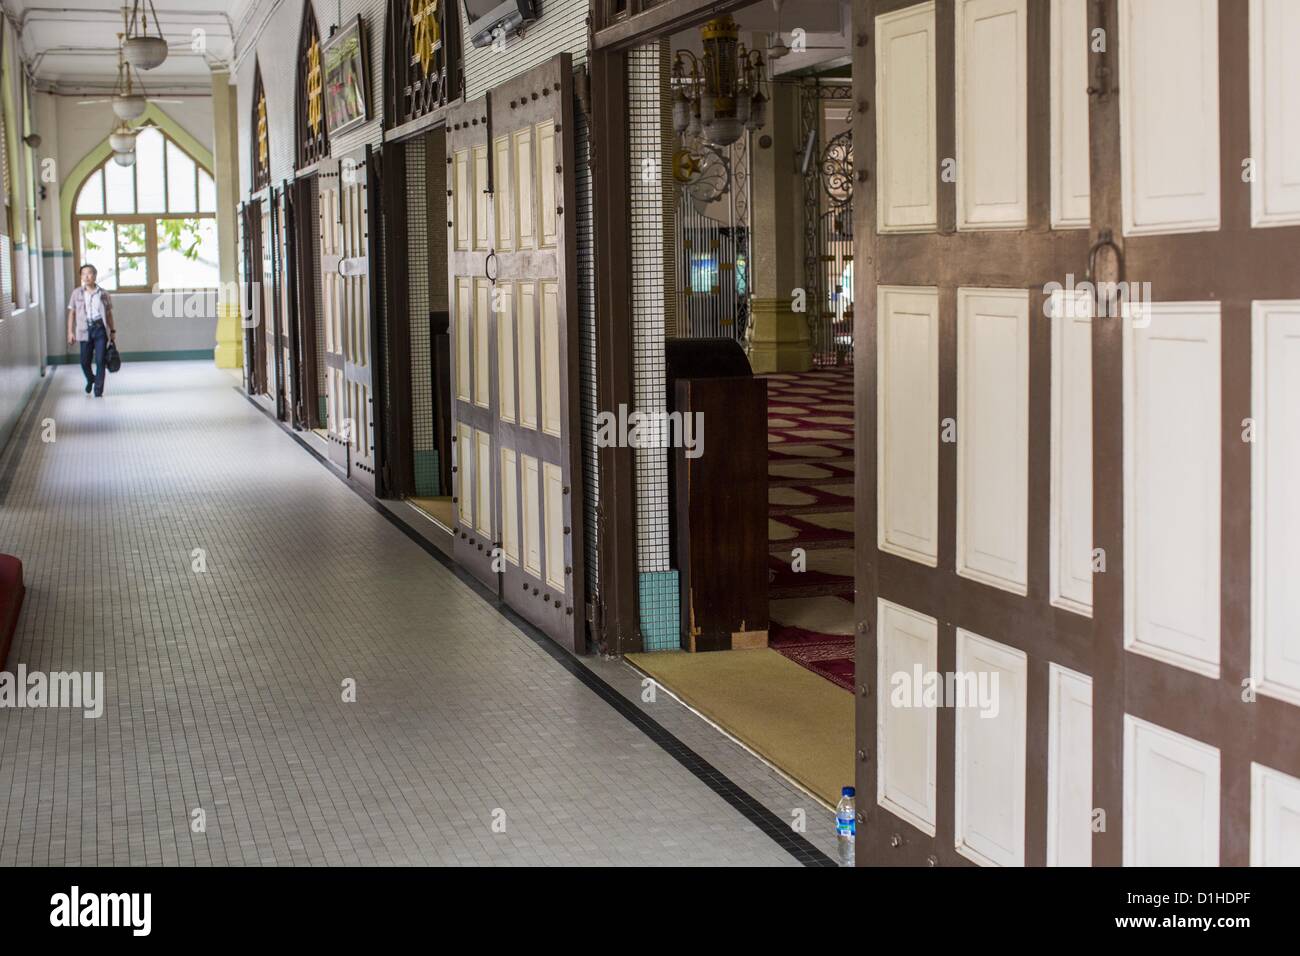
column 825, row 24
column 73, row 48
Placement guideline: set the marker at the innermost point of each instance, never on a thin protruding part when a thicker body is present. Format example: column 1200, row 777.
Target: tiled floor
column 223, row 686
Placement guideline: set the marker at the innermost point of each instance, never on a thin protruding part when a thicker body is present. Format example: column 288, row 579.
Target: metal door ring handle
column 1104, row 239
column 487, row 267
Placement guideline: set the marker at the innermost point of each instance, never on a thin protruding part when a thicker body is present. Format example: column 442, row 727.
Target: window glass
column 99, row 248
column 151, row 180
column 91, row 199
column 181, row 195
column 149, row 225
column 207, row 192
column 132, row 254
column 187, row 253
column 119, row 187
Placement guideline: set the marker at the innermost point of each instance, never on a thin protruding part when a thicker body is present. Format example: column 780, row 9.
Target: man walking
column 90, row 323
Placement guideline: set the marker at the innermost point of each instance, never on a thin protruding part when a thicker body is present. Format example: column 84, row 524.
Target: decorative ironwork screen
column 828, row 228
column 422, row 58
column 259, row 138
column 712, row 236
column 312, row 136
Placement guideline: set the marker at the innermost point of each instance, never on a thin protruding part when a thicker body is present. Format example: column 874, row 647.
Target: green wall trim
column 90, row 162
column 180, row 355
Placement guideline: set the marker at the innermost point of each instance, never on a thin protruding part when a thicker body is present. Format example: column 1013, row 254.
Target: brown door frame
column 255, row 361
column 614, row 610
column 303, row 227
column 398, row 467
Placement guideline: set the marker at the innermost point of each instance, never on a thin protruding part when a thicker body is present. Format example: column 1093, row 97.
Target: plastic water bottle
column 846, row 824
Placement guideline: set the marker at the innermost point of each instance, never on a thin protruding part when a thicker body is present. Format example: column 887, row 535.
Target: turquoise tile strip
column 660, row 611
column 426, row 474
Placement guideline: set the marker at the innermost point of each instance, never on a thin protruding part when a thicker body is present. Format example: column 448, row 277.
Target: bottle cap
column 847, row 792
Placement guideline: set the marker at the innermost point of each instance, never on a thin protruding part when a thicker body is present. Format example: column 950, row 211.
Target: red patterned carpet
column 810, row 508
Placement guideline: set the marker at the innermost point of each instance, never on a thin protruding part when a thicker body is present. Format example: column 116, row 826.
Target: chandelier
column 719, row 95
column 142, row 49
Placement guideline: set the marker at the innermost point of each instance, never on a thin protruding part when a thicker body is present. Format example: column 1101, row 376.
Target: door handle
column 1105, row 239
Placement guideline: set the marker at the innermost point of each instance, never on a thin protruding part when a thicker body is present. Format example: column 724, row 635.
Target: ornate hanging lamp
column 142, row 49
column 719, row 95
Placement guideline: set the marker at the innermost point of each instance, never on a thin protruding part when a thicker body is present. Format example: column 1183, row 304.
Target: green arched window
column 150, row 225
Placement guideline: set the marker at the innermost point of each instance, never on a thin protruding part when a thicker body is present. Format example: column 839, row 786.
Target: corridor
column 228, row 586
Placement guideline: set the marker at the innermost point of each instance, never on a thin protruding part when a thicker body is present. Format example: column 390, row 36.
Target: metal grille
column 411, row 87
column 259, row 161
column 587, row 343
column 417, row 272
column 646, row 144
column 828, row 228
column 313, row 237
column 312, row 143
column 712, row 237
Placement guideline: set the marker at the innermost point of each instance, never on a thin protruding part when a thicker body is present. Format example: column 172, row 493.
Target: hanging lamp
column 122, row 139
column 718, row 96
column 127, row 104
column 124, row 158
column 142, row 49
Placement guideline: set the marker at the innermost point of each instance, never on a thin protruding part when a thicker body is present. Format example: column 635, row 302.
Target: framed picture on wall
column 347, row 86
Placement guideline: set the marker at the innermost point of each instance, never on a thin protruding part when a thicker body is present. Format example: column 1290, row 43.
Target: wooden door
column 270, row 326
column 286, row 371
column 470, row 243
column 959, row 249
column 1075, row 432
column 345, row 304
column 514, row 345
column 1197, row 432
column 255, row 275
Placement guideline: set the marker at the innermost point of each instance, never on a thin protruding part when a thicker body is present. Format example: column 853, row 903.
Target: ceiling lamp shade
column 129, row 106
column 142, row 49
column 144, row 53
column 124, row 157
column 122, row 139
column 722, row 88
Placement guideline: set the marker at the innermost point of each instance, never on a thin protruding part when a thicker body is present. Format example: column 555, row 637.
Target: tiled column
column 229, row 352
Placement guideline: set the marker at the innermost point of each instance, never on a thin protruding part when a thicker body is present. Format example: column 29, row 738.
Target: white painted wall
column 20, row 327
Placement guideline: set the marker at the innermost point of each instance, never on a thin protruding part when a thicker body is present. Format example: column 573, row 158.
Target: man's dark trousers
column 96, row 342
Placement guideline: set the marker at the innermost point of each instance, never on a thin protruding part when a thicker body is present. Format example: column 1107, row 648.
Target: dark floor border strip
column 737, row 797
column 12, row 453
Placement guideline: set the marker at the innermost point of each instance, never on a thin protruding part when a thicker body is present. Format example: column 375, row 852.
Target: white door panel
column 1171, row 798
column 1172, row 474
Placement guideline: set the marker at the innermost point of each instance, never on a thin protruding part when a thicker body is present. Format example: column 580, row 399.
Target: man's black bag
column 112, row 360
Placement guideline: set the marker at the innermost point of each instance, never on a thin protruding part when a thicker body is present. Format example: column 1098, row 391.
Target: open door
column 514, row 344
column 255, row 359
column 473, row 404
column 272, row 382
column 345, row 306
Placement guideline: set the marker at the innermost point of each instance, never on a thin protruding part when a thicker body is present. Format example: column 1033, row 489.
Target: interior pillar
column 229, row 352
column 779, row 341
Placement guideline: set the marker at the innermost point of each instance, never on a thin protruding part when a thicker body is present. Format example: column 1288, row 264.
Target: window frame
column 149, row 219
